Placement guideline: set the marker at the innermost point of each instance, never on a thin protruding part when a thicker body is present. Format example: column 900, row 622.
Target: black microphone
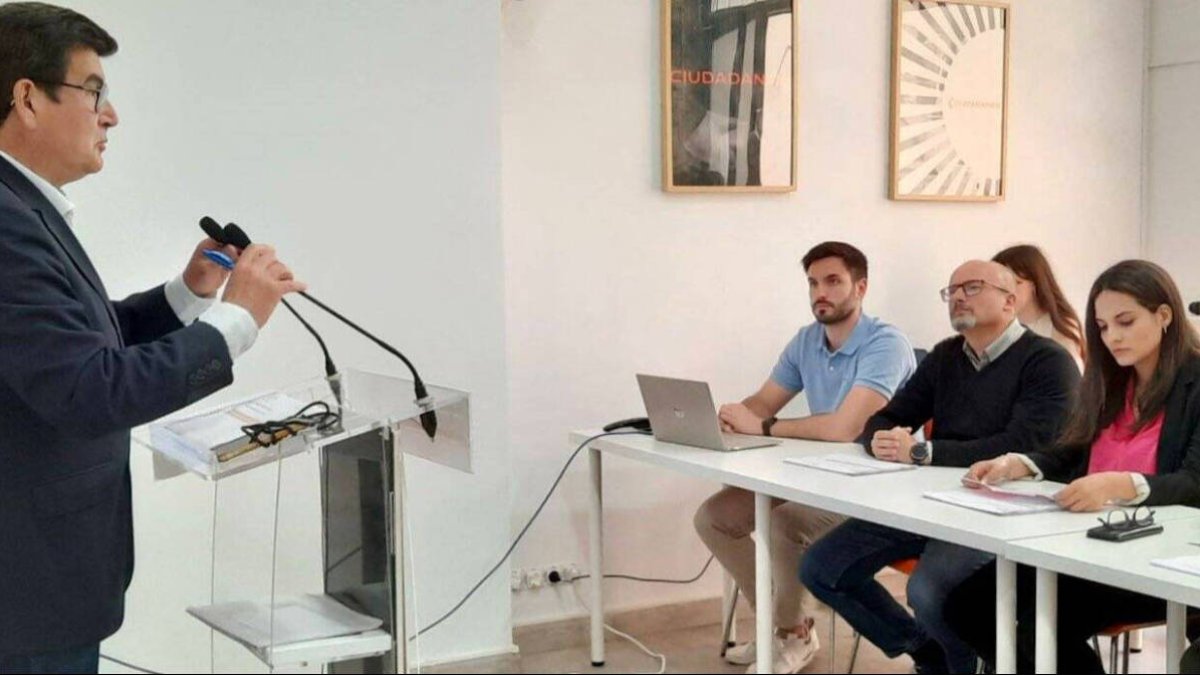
column 232, row 234
column 1194, row 308
column 236, row 236
column 213, row 230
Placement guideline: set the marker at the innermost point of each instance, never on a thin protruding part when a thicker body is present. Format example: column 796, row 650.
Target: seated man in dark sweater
column 995, row 388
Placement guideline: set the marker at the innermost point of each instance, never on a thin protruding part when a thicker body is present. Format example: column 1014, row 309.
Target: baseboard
column 575, row 632
column 469, row 656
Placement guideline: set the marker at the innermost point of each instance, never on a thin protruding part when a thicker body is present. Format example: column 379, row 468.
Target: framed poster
column 949, row 100
column 729, row 95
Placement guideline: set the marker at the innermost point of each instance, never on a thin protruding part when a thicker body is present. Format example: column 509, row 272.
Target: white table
column 900, row 505
column 1125, row 565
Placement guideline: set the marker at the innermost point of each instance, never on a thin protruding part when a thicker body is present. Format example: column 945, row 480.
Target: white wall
column 1173, row 153
column 362, row 139
column 608, row 276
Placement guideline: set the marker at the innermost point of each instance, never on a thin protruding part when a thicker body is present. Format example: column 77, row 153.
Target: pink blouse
column 1116, row 449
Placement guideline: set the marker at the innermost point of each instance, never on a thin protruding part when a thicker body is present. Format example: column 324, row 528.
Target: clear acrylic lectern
column 308, row 545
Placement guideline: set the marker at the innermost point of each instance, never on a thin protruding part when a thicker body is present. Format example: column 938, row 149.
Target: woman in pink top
column 1133, row 439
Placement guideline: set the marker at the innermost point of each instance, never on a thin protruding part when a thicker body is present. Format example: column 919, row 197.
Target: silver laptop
column 682, row 411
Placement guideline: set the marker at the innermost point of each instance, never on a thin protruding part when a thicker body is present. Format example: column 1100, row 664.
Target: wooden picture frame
column 729, row 95
column 949, row 94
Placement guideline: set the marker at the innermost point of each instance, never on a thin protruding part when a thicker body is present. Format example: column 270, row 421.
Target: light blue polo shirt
column 876, row 356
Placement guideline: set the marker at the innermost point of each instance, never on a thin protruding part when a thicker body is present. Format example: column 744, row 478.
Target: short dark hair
column 36, row 40
column 853, row 258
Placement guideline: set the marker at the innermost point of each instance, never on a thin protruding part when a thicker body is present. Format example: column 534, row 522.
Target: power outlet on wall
column 533, row 578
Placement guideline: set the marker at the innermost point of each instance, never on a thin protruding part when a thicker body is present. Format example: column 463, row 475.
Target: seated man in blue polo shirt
column 849, row 365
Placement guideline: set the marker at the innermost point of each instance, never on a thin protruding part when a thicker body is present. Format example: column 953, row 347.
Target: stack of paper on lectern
column 307, row 617
column 849, row 465
column 1004, row 500
column 197, row 440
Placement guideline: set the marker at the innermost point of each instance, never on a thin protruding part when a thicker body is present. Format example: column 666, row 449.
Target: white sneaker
column 792, row 654
column 742, row 654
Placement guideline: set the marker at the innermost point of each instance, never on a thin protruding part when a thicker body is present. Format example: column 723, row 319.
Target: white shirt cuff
column 235, row 324
column 1037, row 473
column 187, row 305
column 1141, row 486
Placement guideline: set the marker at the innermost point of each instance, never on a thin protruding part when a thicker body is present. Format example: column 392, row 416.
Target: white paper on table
column 1188, row 564
column 849, row 465
column 997, row 503
column 1020, row 488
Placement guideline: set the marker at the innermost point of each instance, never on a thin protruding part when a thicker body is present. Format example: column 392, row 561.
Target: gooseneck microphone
column 221, row 236
column 236, row 236
column 331, row 371
column 1194, row 308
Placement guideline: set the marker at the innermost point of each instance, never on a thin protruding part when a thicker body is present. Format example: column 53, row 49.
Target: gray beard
column 964, row 322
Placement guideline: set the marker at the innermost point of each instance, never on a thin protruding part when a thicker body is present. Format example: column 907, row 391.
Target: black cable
column 525, row 529
column 128, row 665
column 630, row 577
column 268, row 433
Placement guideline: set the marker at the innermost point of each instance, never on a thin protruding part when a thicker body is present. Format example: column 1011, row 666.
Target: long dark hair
column 1029, row 263
column 1102, row 394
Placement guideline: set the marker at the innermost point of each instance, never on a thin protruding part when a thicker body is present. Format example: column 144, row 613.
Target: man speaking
column 78, row 371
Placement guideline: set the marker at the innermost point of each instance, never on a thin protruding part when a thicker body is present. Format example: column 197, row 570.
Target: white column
column 1006, row 615
column 1046, row 625
column 596, row 555
column 763, row 601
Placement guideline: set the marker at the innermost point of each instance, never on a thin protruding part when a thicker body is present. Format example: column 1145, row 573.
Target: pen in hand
column 219, row 258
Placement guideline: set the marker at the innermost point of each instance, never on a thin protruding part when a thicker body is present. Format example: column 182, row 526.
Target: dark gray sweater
column 1017, row 403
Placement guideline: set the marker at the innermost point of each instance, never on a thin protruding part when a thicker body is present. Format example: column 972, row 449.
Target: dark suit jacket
column 77, row 372
column 1178, row 478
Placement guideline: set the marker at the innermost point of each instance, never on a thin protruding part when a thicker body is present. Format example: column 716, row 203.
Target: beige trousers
column 725, row 522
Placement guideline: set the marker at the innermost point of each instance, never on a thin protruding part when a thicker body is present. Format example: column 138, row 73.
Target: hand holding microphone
column 265, row 270
column 259, row 281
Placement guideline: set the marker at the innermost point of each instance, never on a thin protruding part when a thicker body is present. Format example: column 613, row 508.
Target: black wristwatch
column 919, row 453
column 767, row 424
